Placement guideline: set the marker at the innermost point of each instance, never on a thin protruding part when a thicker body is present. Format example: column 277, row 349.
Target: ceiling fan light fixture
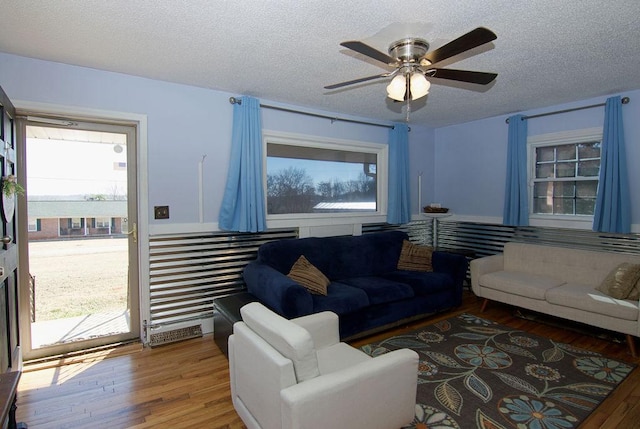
column 419, row 85
column 397, row 88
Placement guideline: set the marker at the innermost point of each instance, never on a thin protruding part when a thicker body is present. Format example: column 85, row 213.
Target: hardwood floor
column 186, row 385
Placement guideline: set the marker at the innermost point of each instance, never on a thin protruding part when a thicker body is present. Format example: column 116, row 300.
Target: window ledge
column 560, row 221
column 290, row 221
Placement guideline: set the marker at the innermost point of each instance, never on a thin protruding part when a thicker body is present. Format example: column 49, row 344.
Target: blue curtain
column 613, row 205
column 243, row 201
column 516, row 197
column 398, row 210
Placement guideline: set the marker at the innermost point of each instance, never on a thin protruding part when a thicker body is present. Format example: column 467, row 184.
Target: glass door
column 82, row 235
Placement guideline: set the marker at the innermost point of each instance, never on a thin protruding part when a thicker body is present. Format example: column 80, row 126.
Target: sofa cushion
column 518, row 283
column 380, row 290
column 586, row 298
column 620, row 281
column 292, row 341
column 568, row 264
column 340, row 356
column 305, row 273
column 414, row 257
column 422, row 283
column 635, row 292
column 337, row 257
column 341, row 299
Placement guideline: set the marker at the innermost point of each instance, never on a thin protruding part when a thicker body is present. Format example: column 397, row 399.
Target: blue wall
column 463, row 166
column 471, row 157
column 184, row 123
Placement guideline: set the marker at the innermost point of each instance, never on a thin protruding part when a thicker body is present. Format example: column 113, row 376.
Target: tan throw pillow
column 305, row 273
column 620, row 281
column 414, row 257
column 635, row 292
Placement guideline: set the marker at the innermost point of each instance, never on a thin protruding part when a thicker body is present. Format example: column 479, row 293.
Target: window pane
column 543, row 189
column 102, row 222
column 587, row 189
column 563, row 206
column 541, row 205
column 544, row 170
column 545, row 154
column 585, row 206
column 589, row 168
column 566, row 169
column 564, row 189
column 33, row 224
column 566, row 152
column 589, row 150
column 315, row 180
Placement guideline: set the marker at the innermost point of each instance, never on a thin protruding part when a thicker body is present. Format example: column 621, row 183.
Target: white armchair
column 297, row 374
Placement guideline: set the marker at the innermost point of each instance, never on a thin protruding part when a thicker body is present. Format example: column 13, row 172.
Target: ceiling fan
column 413, row 63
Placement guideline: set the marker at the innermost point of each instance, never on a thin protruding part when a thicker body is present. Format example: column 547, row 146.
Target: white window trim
column 554, row 139
column 34, row 223
column 103, row 222
column 320, row 219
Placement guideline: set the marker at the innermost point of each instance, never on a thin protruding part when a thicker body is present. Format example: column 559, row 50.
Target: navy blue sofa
column 367, row 291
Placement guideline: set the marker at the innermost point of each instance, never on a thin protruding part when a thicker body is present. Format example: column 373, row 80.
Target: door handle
column 134, row 232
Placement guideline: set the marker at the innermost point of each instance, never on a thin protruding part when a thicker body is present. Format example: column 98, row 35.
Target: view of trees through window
column 315, row 180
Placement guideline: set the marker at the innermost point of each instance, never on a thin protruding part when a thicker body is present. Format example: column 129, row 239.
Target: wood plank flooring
column 186, row 385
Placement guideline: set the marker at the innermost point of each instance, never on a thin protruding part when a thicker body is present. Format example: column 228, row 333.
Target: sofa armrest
column 480, row 266
column 277, row 291
column 323, row 327
column 384, row 386
column 453, row 264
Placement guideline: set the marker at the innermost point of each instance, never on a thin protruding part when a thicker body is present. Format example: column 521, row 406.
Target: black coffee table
column 226, row 312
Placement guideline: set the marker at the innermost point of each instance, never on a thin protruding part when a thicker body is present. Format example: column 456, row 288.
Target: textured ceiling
column 547, row 52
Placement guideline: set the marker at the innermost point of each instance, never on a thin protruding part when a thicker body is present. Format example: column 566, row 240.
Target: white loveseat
column 297, row 374
column 558, row 281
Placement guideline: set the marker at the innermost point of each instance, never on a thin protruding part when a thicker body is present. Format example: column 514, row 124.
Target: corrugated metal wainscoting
column 419, row 232
column 188, row 271
column 489, row 239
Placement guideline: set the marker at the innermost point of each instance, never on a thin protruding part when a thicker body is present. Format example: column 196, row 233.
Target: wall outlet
column 161, row 212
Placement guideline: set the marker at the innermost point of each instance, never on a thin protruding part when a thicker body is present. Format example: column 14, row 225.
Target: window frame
column 381, row 150
column 103, row 222
column 557, row 139
column 35, row 222
column 76, row 225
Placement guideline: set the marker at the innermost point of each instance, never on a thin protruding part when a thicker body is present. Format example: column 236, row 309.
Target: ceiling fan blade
column 471, row 40
column 481, row 78
column 368, row 51
column 351, row 82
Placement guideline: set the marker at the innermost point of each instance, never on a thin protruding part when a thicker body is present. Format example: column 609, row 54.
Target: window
column 314, row 178
column 564, row 170
column 34, row 225
column 103, row 222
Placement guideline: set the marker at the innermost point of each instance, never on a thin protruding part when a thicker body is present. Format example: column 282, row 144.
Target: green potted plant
column 11, row 187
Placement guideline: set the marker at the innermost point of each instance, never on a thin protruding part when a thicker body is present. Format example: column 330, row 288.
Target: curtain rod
column 625, row 100
column 234, row 100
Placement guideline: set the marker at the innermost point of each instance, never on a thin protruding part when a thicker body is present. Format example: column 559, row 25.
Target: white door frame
column 27, row 107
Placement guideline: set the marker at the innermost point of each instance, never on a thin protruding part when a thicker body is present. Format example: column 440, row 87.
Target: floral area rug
column 475, row 373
